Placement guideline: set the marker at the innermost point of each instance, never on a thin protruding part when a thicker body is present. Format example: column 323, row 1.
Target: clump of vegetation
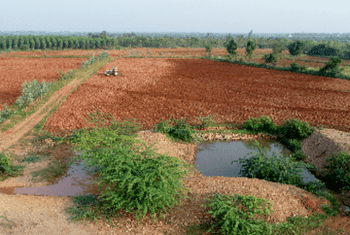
column 297, row 68
column 7, row 169
column 232, row 47
column 271, row 58
column 208, row 48
column 102, row 55
column 250, row 48
column 146, row 181
column 332, row 66
column 93, row 59
column 31, row 91
column 6, row 113
column 230, row 219
column 322, row 50
column 64, row 76
column 337, row 173
column 296, row 47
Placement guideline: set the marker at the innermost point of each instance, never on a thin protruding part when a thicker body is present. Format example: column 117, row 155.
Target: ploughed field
column 16, row 70
column 151, row 89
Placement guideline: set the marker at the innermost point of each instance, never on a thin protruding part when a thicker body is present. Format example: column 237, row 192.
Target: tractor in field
column 114, row 71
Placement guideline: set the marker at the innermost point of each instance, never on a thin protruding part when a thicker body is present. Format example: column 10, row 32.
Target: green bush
column 232, row 219
column 31, row 91
column 296, row 129
column 277, row 47
column 276, row 168
column 322, row 50
column 6, row 168
column 337, row 173
column 6, row 113
column 262, row 124
column 297, row 67
column 271, row 58
column 145, row 181
column 347, row 55
column 208, row 48
column 296, row 47
column 232, row 47
column 332, row 66
column 250, row 48
column 102, row 55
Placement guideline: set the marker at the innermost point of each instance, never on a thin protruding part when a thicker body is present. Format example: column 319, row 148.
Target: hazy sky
column 200, row 16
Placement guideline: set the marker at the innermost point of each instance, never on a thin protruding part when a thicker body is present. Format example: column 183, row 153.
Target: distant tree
column 232, row 47
column 208, row 48
column 250, row 48
column 322, row 50
column 296, row 47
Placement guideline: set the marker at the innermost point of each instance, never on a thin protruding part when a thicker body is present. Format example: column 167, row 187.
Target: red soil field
column 15, row 71
column 152, row 51
column 151, row 89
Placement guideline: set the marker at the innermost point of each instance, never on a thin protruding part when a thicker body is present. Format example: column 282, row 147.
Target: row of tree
column 31, row 42
column 104, row 41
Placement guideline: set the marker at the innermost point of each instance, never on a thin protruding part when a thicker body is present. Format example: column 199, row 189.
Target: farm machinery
column 114, row 71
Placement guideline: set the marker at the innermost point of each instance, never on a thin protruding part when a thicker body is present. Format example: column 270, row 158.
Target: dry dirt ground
column 153, row 88
column 15, row 71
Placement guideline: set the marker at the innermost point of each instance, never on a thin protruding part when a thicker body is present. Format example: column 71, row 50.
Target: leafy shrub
column 232, row 47
column 31, row 91
column 296, row 47
column 6, row 168
column 276, row 168
column 233, row 219
column 292, row 144
column 68, row 75
column 181, row 131
column 262, row 124
column 332, row 66
column 6, row 113
column 250, row 48
column 322, row 50
column 347, row 55
column 277, row 47
column 135, row 179
column 338, row 175
column 4, row 162
column 296, row 129
column 297, row 67
column 208, row 48
column 102, row 55
column 299, row 155
column 271, row 58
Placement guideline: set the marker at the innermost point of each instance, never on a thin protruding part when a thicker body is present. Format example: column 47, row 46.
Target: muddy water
column 214, row 158
column 75, row 182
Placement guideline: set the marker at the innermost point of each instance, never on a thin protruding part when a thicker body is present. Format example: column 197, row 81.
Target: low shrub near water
column 337, row 173
column 145, row 181
column 7, row 169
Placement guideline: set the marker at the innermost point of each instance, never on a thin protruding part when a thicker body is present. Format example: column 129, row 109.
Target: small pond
column 214, row 158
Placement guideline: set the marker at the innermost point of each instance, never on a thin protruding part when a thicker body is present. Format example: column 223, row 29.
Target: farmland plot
column 153, row 88
column 15, row 71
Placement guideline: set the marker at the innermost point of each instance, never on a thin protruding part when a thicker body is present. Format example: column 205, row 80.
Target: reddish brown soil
column 15, row 71
column 153, row 88
column 152, row 51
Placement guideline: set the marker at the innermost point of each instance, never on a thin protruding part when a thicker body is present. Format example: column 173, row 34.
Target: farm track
column 147, row 92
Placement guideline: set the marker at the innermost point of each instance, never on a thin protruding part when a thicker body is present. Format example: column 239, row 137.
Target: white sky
column 199, row 16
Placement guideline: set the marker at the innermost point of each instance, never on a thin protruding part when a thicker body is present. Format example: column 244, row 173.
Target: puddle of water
column 214, row 158
column 74, row 182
